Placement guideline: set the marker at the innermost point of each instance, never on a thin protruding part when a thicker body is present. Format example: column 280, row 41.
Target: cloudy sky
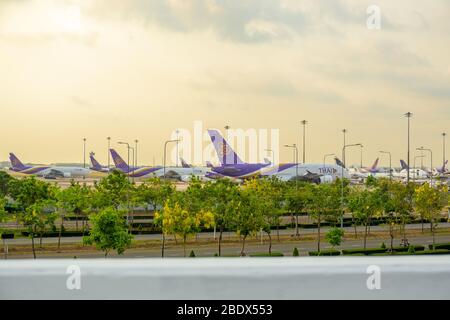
column 142, row 68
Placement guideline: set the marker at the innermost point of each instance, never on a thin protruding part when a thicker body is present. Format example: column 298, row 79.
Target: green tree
column 3, row 212
column 112, row 191
column 297, row 201
column 395, row 205
column 249, row 218
column 37, row 201
column 334, row 236
column 76, row 199
column 154, row 193
column 324, row 204
column 365, row 204
column 268, row 196
column 429, row 203
column 222, row 199
column 174, row 219
column 5, row 180
column 108, row 231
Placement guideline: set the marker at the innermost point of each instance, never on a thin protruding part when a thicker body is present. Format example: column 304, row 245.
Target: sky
column 140, row 69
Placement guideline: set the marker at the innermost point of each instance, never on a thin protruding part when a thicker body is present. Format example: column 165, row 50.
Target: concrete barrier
column 406, row 277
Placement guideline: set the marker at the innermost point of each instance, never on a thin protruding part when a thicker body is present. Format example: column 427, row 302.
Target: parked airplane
column 373, row 169
column 230, row 164
column 415, row 173
column 443, row 170
column 49, row 172
column 186, row 172
column 96, row 166
column 184, row 164
column 176, row 173
column 317, row 173
column 134, row 172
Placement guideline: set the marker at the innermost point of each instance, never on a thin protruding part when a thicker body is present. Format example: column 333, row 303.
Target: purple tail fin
column 118, row 161
column 404, row 165
column 95, row 164
column 209, row 164
column 225, row 153
column 184, row 164
column 16, row 163
column 375, row 164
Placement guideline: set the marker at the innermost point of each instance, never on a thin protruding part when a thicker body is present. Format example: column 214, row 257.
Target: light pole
column 326, row 156
column 431, row 153
column 165, row 148
column 342, row 182
column 109, row 147
column 177, row 131
column 136, row 152
column 128, row 173
column 390, row 163
column 361, row 162
column 443, row 150
column 304, row 122
column 421, row 159
column 408, row 115
column 344, row 131
column 295, row 158
column 84, row 152
column 415, row 170
column 271, row 151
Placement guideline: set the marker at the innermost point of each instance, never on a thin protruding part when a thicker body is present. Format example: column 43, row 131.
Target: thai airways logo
column 327, row 170
column 222, row 149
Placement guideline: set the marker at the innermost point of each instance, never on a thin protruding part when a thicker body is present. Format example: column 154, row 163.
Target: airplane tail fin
column 95, row 164
column 444, row 166
column 339, row 162
column 375, row 164
column 209, row 164
column 404, row 165
column 267, row 161
column 184, row 164
column 118, row 161
column 225, row 153
column 15, row 162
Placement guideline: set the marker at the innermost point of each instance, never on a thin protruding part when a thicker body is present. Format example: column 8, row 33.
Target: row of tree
column 247, row 209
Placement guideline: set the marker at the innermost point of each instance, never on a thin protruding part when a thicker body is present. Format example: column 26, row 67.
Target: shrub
column 295, row 253
column 325, row 253
column 265, row 254
column 411, row 250
column 216, row 254
column 406, row 249
column 383, row 246
column 438, row 251
column 192, row 254
column 361, row 250
column 440, row 246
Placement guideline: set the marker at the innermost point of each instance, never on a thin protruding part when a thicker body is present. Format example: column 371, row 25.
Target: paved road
column 226, row 235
